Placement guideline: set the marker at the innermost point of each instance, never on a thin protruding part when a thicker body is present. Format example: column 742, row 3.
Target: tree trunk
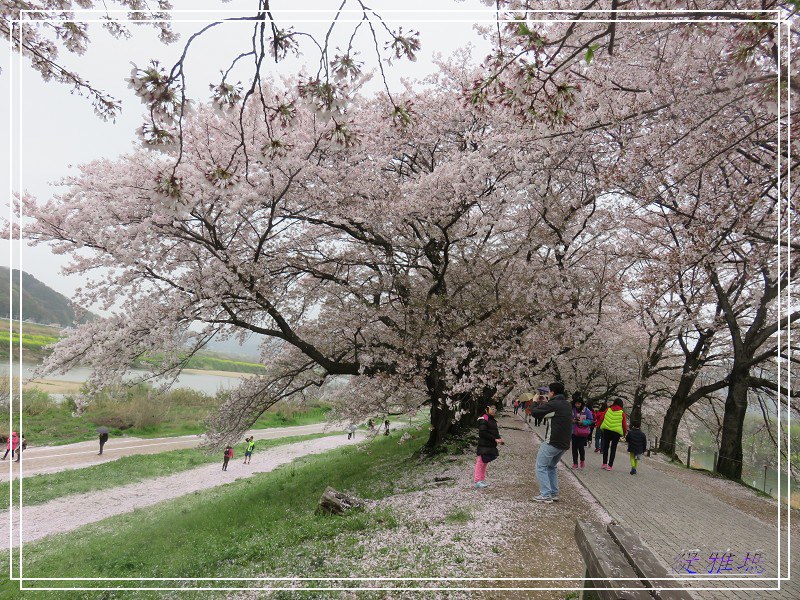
column 682, row 398
column 638, row 400
column 441, row 414
column 441, row 422
column 337, row 503
column 672, row 421
column 465, row 403
column 655, row 349
column 729, row 463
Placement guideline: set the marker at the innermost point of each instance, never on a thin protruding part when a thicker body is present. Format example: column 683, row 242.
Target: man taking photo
column 557, row 440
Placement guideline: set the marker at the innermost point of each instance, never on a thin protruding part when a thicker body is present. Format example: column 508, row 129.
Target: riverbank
column 208, row 382
column 33, row 339
column 63, row 387
column 53, row 386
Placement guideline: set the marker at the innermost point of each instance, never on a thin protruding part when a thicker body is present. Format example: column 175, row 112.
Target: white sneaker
column 481, row 484
column 545, row 499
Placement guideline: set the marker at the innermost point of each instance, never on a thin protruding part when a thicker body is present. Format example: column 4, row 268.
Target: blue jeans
column 546, row 474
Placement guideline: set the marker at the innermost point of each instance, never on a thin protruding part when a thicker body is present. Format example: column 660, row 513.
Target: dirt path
column 447, row 528
column 51, row 459
column 68, row 513
column 542, row 539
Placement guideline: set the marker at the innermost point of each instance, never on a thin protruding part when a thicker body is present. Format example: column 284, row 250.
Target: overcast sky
column 55, row 130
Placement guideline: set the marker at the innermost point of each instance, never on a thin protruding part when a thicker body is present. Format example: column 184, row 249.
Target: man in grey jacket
column 557, row 441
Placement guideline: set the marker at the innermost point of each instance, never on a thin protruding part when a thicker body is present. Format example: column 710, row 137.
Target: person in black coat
column 557, row 440
column 637, row 444
column 103, row 440
column 488, row 439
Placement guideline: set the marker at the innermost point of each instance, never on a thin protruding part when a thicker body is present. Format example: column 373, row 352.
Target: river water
column 208, row 383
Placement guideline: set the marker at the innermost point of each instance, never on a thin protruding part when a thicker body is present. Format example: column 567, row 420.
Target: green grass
column 31, row 328
column 38, row 489
column 265, row 524
column 33, row 346
column 211, row 363
column 288, row 418
column 28, row 341
column 460, row 515
column 207, row 362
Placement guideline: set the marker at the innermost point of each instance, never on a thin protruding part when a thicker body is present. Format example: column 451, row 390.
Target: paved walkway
column 676, row 510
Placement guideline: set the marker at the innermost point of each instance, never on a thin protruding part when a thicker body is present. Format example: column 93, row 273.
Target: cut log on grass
column 337, row 503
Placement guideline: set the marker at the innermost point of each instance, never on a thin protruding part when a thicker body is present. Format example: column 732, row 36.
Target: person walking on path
column 23, row 445
column 637, row 444
column 11, row 445
column 371, row 426
column 581, row 421
column 614, row 427
column 559, row 414
column 516, row 406
column 226, row 456
column 488, row 438
column 351, row 430
column 103, row 439
column 386, row 427
column 248, row 451
column 598, row 413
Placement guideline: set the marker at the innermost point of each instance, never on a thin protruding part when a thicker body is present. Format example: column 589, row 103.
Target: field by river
column 48, row 411
column 207, row 382
column 31, row 342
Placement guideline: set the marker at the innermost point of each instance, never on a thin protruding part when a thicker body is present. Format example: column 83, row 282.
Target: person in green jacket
column 614, row 426
column 248, row 449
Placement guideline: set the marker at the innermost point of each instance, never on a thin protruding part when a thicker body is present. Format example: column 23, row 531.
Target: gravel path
column 71, row 512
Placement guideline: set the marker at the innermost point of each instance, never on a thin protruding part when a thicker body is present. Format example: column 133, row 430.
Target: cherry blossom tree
column 692, row 130
column 581, row 206
column 363, row 246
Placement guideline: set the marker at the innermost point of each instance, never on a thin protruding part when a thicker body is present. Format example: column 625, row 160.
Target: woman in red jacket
column 599, row 413
column 13, row 442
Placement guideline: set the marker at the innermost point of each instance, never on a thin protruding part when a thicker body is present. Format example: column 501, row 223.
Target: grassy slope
column 37, row 489
column 265, row 524
column 31, row 328
column 32, row 344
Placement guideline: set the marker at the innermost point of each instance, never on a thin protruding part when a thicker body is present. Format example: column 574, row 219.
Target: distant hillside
column 40, row 303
